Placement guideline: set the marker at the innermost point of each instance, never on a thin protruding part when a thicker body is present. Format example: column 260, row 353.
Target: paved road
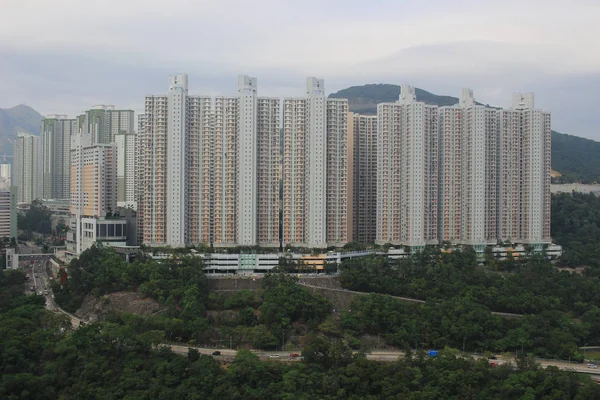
column 41, row 283
column 502, row 314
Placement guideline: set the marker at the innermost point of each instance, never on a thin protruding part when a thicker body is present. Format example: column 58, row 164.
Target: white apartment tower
column 467, row 172
column 315, row 169
column 56, row 135
column 316, row 163
column 407, row 171
column 27, row 167
column 524, row 144
column 176, row 160
column 247, row 162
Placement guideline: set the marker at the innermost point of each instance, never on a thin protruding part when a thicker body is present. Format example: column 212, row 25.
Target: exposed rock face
column 93, row 308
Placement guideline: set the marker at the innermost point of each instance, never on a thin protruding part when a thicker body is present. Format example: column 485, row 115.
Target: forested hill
column 576, row 159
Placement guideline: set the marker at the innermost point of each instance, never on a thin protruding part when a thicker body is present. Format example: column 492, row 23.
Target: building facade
column 8, row 210
column 126, row 169
column 56, row 135
column 268, row 171
column 468, row 162
column 494, row 173
column 222, row 185
column 362, row 137
column 103, row 122
column 524, row 144
column 93, row 188
column 27, row 167
column 315, row 169
column 407, row 171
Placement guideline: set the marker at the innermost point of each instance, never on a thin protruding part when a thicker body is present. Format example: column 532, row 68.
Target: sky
column 64, row 56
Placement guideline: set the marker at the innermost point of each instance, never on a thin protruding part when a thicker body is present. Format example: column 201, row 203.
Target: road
column 41, row 284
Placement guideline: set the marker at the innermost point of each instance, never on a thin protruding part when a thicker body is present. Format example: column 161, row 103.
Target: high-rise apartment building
column 56, row 135
column 139, row 176
column 268, row 171
column 27, row 171
column 362, row 205
column 93, row 177
column 337, row 173
column 176, row 160
column 126, row 169
column 103, row 122
column 315, row 168
column 152, row 204
column 407, row 171
column 93, row 195
column 225, row 171
column 524, row 145
column 6, row 175
column 467, row 173
column 200, row 169
column 8, row 213
column 494, row 173
column 210, row 152
column 247, row 162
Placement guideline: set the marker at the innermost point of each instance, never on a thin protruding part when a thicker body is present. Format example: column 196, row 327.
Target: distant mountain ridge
column 575, row 158
column 21, row 118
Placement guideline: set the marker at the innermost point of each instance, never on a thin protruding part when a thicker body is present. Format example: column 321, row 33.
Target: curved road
column 41, row 285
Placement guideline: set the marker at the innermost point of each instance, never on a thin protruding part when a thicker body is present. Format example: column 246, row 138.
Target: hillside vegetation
column 575, row 158
column 110, row 360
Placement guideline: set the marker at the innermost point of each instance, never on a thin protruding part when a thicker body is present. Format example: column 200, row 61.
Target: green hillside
column 20, row 118
column 575, row 158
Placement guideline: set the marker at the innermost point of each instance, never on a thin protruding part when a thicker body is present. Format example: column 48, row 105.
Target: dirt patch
column 93, row 308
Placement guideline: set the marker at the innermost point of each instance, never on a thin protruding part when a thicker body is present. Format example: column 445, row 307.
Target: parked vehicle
column 216, row 353
column 274, row 356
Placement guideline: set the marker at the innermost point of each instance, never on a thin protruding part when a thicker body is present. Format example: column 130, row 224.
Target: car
column 274, row 356
column 32, row 288
column 492, row 358
column 594, row 366
column 294, row 355
column 216, row 353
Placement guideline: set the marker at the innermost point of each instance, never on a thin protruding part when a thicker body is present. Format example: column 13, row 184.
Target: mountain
column 574, row 158
column 20, row 118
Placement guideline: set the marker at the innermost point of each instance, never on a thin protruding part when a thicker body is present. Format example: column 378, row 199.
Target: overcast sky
column 64, row 56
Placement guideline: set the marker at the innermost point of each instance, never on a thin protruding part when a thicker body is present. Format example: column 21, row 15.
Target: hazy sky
column 64, row 56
